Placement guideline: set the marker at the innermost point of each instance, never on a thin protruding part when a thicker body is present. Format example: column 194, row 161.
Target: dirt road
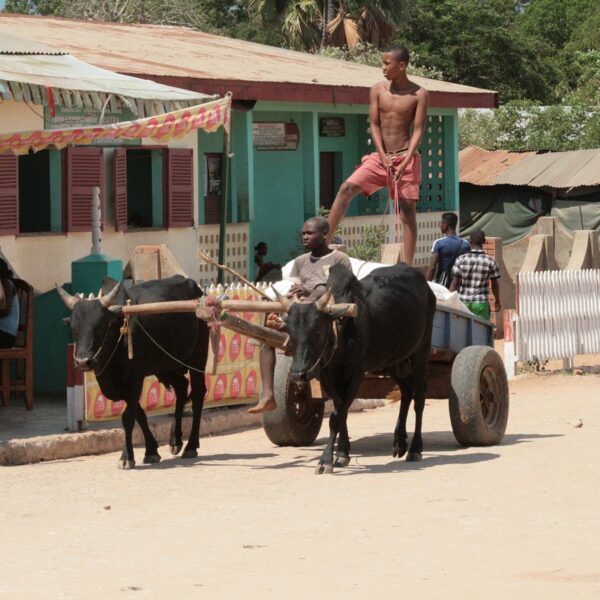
column 249, row 520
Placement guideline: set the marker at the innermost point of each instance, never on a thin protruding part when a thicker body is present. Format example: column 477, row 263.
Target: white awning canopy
column 62, row 80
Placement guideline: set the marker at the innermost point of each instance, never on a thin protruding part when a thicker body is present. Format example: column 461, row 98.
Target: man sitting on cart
column 309, row 273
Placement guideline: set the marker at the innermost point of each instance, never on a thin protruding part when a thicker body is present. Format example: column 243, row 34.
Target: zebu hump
column 390, row 287
column 164, row 290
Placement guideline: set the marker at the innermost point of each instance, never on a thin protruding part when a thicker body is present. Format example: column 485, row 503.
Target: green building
column 299, row 126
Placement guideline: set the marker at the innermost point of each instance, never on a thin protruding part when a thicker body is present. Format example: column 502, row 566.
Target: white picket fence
column 558, row 314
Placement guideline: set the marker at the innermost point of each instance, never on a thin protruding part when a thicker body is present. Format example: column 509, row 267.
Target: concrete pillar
column 585, row 253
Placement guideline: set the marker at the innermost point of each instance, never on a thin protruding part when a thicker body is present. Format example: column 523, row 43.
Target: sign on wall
column 275, row 136
column 332, row 127
column 69, row 118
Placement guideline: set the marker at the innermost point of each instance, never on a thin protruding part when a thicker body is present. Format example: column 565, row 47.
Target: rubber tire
column 284, row 426
column 470, row 425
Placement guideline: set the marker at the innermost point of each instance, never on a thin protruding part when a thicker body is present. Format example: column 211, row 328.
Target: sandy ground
column 250, row 520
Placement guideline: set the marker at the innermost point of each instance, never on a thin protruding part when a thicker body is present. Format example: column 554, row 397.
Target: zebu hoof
column 190, row 454
column 175, row 450
column 323, row 468
column 342, row 460
column 126, row 465
column 151, row 459
column 399, row 451
column 414, row 457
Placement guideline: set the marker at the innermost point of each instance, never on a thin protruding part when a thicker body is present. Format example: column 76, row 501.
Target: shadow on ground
column 434, row 442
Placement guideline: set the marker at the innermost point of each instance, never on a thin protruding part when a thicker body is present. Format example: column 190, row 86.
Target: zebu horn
column 286, row 303
column 70, row 301
column 99, row 293
column 106, row 300
column 323, row 301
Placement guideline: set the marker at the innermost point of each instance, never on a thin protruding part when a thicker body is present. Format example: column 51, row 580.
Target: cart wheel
column 478, row 397
column 297, row 419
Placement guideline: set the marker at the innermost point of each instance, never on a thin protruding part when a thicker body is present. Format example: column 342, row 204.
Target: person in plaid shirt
column 471, row 274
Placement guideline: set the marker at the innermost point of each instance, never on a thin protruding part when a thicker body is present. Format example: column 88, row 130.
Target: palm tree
column 299, row 19
column 308, row 24
column 368, row 21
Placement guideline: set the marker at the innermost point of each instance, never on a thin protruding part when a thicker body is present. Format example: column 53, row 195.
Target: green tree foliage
column 369, row 248
column 478, row 128
column 367, row 54
column 32, row 7
column 524, row 126
column 556, row 21
column 585, row 82
column 477, row 43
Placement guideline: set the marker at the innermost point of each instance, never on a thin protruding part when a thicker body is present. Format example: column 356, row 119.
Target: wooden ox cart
column 464, row 367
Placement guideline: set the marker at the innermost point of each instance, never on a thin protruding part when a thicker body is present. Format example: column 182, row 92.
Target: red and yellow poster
column 237, row 380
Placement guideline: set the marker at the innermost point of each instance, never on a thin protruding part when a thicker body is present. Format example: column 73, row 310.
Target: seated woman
column 9, row 307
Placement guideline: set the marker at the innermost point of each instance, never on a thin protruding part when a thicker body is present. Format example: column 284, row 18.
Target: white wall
column 17, row 116
column 43, row 259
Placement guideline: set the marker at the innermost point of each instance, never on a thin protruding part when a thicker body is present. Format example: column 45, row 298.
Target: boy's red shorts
column 371, row 176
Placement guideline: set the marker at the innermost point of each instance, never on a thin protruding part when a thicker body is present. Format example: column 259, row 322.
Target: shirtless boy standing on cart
column 395, row 105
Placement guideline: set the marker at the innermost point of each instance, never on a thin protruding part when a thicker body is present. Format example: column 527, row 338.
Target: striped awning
column 159, row 128
column 62, row 80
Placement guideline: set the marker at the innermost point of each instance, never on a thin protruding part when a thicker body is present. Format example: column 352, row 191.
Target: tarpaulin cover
column 161, row 128
column 583, row 213
column 502, row 212
column 506, row 211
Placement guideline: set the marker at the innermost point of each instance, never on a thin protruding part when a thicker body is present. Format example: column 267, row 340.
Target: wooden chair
column 22, row 352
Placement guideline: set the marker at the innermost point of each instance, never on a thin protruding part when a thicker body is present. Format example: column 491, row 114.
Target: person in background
column 445, row 251
column 262, row 268
column 471, row 276
column 9, row 307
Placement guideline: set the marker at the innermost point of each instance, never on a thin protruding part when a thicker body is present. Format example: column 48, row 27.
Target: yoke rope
column 184, row 364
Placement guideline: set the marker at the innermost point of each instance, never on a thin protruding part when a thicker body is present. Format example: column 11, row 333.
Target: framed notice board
column 332, row 127
column 275, row 136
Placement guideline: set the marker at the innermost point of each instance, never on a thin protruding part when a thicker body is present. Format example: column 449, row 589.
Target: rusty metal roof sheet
column 561, row 170
column 153, row 50
column 16, row 44
column 481, row 167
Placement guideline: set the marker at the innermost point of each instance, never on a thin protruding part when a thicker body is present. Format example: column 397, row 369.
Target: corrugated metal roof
column 16, row 44
column 153, row 50
column 560, row 170
column 481, row 167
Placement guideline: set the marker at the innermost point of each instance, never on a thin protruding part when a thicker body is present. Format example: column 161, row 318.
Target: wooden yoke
column 202, row 311
column 351, row 310
column 218, row 312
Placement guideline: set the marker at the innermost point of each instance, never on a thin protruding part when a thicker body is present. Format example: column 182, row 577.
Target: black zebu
column 392, row 333
column 96, row 325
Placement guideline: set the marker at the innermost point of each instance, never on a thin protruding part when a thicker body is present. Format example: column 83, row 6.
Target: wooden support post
column 510, row 358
